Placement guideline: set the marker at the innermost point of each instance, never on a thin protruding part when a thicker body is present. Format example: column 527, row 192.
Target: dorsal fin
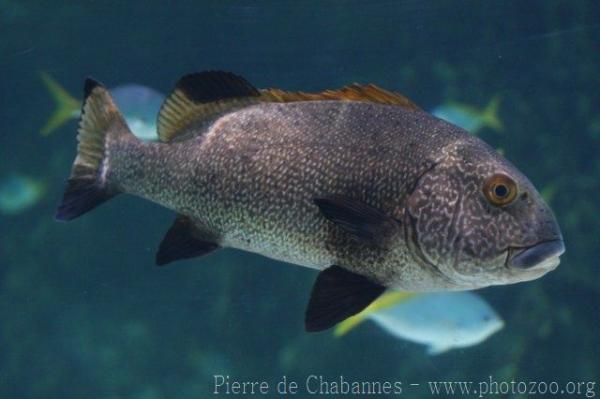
column 205, row 95
column 198, row 96
column 353, row 92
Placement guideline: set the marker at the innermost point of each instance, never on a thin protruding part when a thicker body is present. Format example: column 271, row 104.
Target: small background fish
column 442, row 321
column 471, row 118
column 139, row 104
column 19, row 192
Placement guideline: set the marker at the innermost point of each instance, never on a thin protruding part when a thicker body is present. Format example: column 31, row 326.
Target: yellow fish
column 471, row 118
column 439, row 320
column 67, row 107
column 387, row 300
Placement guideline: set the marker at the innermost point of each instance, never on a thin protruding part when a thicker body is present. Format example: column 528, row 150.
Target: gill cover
column 433, row 209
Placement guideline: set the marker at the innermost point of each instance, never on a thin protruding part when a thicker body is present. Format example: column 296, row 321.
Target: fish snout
column 544, row 253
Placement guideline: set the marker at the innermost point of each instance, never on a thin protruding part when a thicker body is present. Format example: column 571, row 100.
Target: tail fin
column 388, row 299
column 66, row 106
column 87, row 186
column 490, row 115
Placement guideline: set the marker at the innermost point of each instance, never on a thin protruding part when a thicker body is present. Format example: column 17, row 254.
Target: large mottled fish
column 358, row 183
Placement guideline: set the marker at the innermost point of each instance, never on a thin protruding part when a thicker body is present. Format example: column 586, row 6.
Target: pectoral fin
column 183, row 241
column 362, row 221
column 336, row 295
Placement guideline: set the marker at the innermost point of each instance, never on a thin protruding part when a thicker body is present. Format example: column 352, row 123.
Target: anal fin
column 336, row 295
column 183, row 241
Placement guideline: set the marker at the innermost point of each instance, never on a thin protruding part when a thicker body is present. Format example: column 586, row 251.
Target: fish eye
column 500, row 190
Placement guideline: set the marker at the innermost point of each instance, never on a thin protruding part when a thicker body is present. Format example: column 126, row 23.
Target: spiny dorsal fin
column 200, row 96
column 353, row 92
column 205, row 95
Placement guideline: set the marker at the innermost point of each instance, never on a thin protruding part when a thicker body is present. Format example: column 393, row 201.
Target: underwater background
column 84, row 311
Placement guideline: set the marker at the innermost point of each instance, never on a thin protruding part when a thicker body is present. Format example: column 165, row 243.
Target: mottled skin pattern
column 249, row 182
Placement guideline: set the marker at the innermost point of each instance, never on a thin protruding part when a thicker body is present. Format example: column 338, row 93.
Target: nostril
column 524, row 196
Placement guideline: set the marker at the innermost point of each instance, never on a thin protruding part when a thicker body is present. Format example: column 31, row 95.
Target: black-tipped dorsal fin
column 201, row 96
column 353, row 92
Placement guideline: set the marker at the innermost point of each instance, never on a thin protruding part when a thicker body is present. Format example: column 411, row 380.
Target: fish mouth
column 545, row 253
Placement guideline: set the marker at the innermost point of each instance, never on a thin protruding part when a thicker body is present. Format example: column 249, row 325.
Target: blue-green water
column 85, row 313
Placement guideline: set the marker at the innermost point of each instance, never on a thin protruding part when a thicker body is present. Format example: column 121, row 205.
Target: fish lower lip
column 537, row 254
